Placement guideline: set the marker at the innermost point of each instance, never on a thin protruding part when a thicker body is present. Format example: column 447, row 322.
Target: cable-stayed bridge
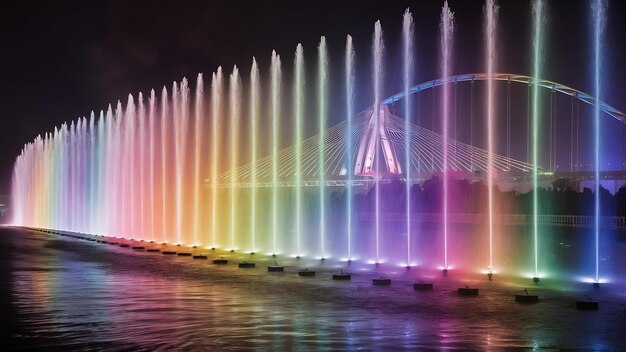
column 355, row 141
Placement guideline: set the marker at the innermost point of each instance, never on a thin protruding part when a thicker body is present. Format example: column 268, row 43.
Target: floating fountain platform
column 247, row 265
column 168, row 253
column 139, row 248
column 536, row 280
column 221, row 261
column 184, row 254
column 306, row 273
column 200, row 257
column 423, row 286
column 466, row 291
column 275, row 268
column 342, row 277
column 526, row 298
column 153, row 250
column 596, row 285
column 587, row 305
column 381, row 282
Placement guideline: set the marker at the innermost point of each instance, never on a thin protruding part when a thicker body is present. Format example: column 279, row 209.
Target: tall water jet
column 151, row 128
column 407, row 68
column 298, row 96
column 538, row 19
column 101, row 214
column 110, row 169
column 216, row 105
column 178, row 162
column 164, row 148
column 198, row 119
column 72, row 175
column 254, row 117
column 322, row 85
column 275, row 78
column 599, row 19
column 142, row 163
column 234, row 112
column 490, row 25
column 183, row 138
column 349, row 82
column 129, row 174
column 446, row 42
column 119, row 181
column 377, row 76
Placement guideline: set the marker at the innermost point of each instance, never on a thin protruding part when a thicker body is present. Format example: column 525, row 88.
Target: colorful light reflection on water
column 84, row 295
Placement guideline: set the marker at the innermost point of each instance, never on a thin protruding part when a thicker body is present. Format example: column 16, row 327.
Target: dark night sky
column 62, row 59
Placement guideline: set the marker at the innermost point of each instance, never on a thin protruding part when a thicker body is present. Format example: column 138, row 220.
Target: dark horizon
column 64, row 59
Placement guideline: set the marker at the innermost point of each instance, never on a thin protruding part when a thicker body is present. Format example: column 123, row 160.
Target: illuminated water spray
column 142, row 163
column 180, row 99
column 447, row 32
column 216, row 104
column 152, row 186
column 234, row 111
column 197, row 179
column 599, row 19
column 129, row 166
column 101, row 220
column 254, row 120
column 322, row 83
column 377, row 73
column 349, row 81
column 491, row 20
column 275, row 78
column 138, row 171
column 164, row 148
column 537, row 62
column 407, row 63
column 298, row 111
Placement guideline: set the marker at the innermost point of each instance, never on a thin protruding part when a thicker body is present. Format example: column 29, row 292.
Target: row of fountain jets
column 113, row 174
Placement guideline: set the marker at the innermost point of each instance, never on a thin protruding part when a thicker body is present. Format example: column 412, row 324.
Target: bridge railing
column 507, row 219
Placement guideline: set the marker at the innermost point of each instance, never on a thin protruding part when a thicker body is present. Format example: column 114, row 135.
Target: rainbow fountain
column 236, row 170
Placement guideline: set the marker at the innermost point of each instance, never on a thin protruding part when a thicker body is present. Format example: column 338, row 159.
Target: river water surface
column 61, row 293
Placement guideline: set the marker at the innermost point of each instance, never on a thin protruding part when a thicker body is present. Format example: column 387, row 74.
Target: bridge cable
column 571, row 138
column 508, row 123
column 472, row 125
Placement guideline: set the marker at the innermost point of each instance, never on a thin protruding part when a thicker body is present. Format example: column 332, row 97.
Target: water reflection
column 70, row 294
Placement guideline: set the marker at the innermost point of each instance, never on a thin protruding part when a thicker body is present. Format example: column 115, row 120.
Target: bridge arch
column 513, row 78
